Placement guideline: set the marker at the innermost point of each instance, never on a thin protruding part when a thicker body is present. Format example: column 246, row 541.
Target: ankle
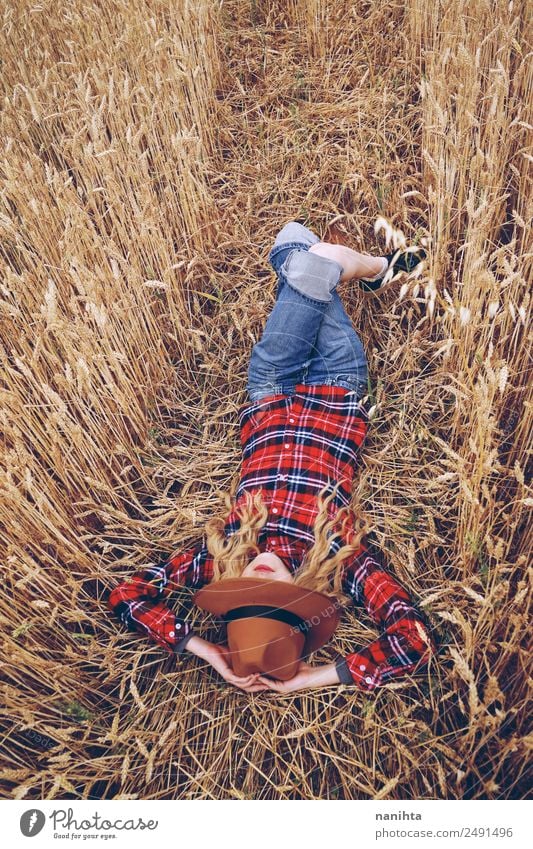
column 374, row 269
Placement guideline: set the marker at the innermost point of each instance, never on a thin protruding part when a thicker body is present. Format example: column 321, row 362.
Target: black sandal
column 404, row 261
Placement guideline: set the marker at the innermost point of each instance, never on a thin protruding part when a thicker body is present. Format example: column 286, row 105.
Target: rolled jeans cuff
column 294, row 232
column 311, row 274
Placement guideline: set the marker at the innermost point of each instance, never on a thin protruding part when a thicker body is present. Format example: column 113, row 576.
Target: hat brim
column 321, row 612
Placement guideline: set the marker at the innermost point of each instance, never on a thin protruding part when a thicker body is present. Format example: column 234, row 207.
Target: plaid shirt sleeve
column 139, row 601
column 405, row 644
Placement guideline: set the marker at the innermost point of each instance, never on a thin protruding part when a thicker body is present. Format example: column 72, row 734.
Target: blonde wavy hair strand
column 318, row 571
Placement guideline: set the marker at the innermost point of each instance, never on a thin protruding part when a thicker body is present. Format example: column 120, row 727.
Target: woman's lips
column 261, row 567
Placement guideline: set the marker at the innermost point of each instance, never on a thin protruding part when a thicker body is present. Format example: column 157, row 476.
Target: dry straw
column 149, row 153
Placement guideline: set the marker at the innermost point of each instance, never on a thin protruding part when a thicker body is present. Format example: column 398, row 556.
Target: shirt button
column 368, row 680
column 362, row 667
column 171, row 633
column 274, row 509
column 287, row 445
column 283, row 477
column 291, row 421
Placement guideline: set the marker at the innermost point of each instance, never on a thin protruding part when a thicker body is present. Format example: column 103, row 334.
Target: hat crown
column 266, row 646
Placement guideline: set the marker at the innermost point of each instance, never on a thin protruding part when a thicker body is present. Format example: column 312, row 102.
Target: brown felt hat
column 271, row 625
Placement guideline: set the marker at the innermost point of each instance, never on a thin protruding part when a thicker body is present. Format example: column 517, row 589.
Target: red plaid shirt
column 292, row 445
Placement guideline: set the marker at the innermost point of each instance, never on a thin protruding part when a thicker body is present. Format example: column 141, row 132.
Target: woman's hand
column 218, row 655
column 307, row 676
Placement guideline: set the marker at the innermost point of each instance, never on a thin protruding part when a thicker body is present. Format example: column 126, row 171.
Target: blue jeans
column 308, row 338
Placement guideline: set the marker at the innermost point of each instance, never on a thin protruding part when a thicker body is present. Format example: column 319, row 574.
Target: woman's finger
column 254, row 688
column 272, row 685
column 241, row 681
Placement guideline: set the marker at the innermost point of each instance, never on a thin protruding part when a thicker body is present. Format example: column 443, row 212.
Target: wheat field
column 150, row 150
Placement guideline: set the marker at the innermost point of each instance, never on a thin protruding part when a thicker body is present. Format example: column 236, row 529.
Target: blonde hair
column 318, row 570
